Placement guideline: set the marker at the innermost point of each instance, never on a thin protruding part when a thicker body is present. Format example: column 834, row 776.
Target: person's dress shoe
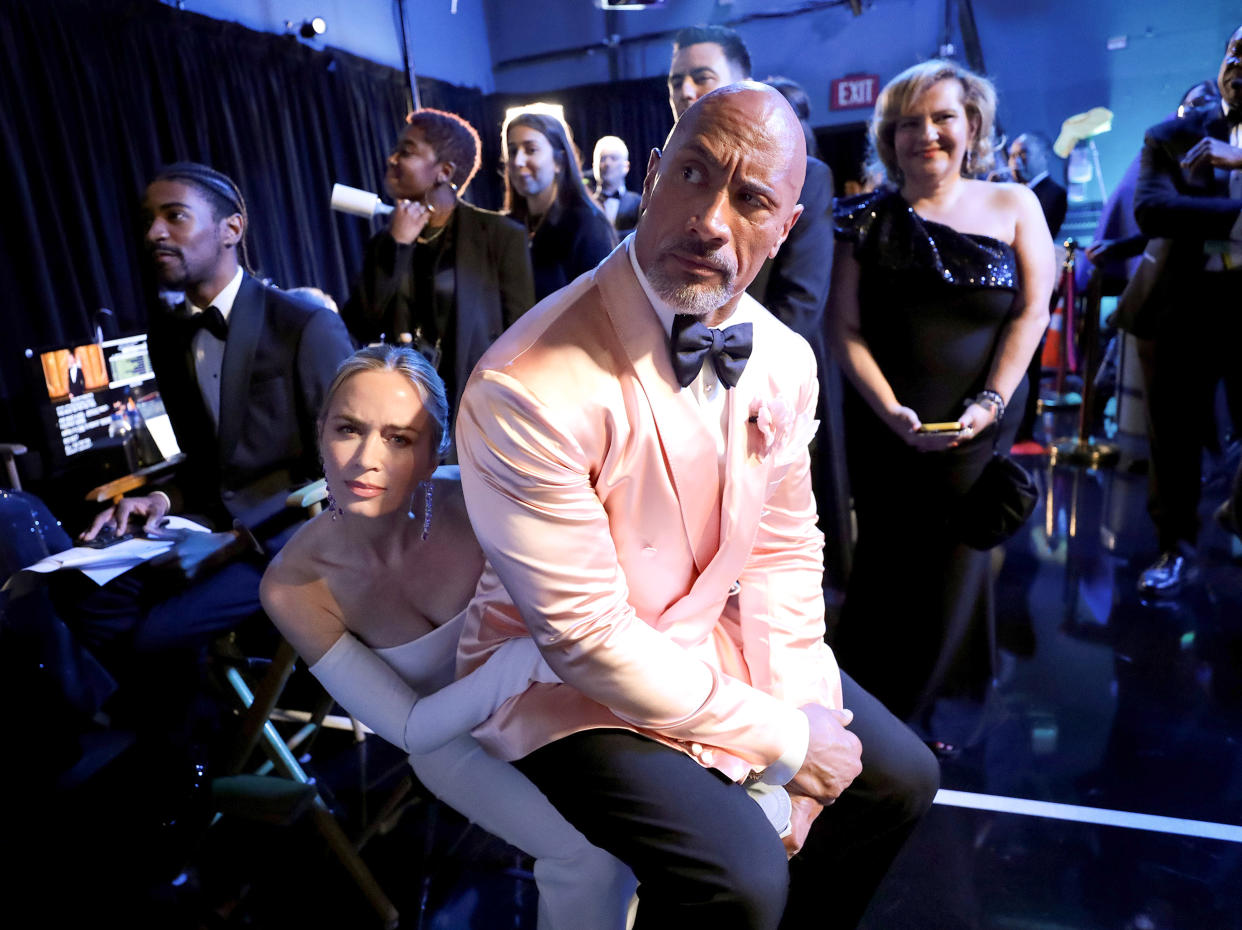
column 1168, row 574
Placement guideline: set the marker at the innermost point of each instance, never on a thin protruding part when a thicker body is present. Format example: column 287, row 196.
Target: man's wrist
column 167, row 500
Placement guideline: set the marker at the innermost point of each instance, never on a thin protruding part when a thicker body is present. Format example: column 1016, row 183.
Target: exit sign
column 854, row 92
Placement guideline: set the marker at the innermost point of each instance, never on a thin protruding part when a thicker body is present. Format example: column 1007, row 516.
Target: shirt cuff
column 799, row 740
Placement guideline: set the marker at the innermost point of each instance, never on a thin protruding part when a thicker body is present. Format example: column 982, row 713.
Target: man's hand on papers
column 130, row 515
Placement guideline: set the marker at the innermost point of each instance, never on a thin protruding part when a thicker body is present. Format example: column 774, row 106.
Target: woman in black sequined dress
column 939, row 297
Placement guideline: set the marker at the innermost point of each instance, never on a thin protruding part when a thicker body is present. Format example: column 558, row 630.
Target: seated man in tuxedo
column 638, row 478
column 793, row 286
column 242, row 369
column 611, row 165
column 1189, row 191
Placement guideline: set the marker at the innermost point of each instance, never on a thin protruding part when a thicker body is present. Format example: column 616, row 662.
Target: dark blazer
column 1053, row 201
column 1170, row 204
column 569, row 242
column 279, row 358
column 794, row 285
column 627, row 211
column 494, row 285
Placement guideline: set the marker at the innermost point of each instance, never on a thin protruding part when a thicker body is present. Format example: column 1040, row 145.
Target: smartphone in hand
column 931, row 428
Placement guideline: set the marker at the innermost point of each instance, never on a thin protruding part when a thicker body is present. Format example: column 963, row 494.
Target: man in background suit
column 611, row 164
column 1189, row 191
column 1029, row 162
column 647, row 516
column 243, row 369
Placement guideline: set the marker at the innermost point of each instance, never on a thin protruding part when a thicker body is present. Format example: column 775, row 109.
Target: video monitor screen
column 104, row 394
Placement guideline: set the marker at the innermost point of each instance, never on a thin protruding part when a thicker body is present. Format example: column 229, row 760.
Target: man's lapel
column 744, row 472
column 245, row 326
column 688, row 448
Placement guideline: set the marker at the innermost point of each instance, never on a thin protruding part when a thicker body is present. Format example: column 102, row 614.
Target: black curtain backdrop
column 97, row 95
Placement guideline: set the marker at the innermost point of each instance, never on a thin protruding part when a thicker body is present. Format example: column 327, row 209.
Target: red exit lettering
column 854, row 92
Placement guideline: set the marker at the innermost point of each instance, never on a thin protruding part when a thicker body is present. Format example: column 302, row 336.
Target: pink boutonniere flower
column 779, row 430
column 773, row 420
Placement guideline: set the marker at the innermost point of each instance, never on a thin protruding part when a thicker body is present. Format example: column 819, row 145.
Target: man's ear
column 653, row 172
column 789, row 224
column 234, row 228
column 445, row 172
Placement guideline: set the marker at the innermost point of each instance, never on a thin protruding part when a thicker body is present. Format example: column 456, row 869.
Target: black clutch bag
column 997, row 504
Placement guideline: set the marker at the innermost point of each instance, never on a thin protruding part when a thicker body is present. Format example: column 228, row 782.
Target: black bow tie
column 1234, row 116
column 211, row 320
column 692, row 342
column 615, row 195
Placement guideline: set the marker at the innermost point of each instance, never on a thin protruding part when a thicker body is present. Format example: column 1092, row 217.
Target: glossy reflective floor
column 1105, row 704
column 1104, row 708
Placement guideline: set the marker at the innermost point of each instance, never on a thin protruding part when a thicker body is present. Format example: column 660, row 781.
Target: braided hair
column 221, row 192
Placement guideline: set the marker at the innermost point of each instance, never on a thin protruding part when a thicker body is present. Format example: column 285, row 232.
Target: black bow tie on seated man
column 692, row 341
column 612, row 195
column 1234, row 116
column 211, row 320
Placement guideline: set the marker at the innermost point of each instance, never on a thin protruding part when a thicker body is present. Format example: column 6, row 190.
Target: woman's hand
column 977, row 417
column 409, row 217
column 903, row 421
column 906, row 423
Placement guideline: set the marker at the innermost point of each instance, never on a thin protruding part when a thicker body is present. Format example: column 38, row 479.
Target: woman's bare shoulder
column 1004, row 195
column 298, row 564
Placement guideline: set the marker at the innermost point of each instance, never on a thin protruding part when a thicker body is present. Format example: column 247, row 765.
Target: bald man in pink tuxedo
column 634, row 459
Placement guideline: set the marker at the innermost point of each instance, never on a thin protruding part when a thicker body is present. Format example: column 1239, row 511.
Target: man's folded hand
column 833, row 757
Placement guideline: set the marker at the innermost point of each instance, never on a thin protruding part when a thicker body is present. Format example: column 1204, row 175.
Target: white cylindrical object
column 358, row 202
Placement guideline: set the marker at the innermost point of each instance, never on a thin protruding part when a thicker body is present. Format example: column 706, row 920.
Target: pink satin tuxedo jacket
column 674, row 596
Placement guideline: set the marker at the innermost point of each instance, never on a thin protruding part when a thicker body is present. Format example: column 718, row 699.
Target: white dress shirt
column 611, row 204
column 712, row 397
column 208, row 351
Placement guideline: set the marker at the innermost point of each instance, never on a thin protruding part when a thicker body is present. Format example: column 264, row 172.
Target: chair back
column 28, row 532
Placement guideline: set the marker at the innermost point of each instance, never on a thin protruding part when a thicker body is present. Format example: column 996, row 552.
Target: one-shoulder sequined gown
column 932, row 303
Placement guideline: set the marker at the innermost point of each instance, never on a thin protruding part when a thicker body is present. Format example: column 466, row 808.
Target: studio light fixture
column 308, row 28
column 554, row 110
column 629, row 4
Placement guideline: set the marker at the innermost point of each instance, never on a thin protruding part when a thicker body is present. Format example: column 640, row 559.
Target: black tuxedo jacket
column 1171, row 204
column 279, row 358
column 627, row 211
column 494, row 285
column 1053, row 201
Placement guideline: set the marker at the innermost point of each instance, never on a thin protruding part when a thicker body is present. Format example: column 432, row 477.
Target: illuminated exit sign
column 854, row 92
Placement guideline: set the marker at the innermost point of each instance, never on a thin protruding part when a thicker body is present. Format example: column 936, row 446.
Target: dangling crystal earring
column 427, row 510
column 330, row 501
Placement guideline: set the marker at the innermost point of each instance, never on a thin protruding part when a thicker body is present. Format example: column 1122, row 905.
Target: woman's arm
column 845, row 339
column 1020, row 337
column 364, row 684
